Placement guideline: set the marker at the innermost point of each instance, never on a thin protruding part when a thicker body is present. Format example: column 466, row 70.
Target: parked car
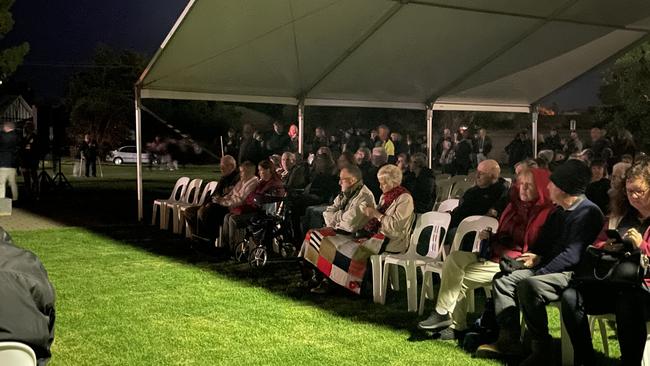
column 127, row 154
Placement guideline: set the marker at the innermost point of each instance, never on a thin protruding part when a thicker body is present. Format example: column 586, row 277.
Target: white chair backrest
column 443, row 188
column 192, row 191
column 443, row 176
column 471, row 177
column 179, row 189
column 437, row 221
column 207, row 191
column 460, row 188
column 448, row 205
column 473, row 224
column 16, row 354
column 458, row 178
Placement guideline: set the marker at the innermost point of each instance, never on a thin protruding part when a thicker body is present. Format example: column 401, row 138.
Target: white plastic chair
column 377, row 266
column 177, row 193
column 601, row 321
column 411, row 260
column 442, row 176
column 16, row 354
column 443, row 188
column 191, row 196
column 469, row 224
column 182, row 207
column 448, row 205
column 460, row 188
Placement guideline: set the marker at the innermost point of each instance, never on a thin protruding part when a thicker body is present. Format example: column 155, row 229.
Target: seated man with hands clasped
column 345, row 213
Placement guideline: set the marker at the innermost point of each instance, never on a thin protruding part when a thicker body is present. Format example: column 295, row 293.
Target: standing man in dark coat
column 249, row 149
column 9, row 143
column 89, row 153
column 420, row 182
column 279, row 141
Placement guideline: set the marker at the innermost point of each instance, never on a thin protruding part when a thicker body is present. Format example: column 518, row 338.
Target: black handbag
column 621, row 266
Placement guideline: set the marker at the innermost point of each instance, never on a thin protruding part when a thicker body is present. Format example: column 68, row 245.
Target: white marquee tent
column 481, row 55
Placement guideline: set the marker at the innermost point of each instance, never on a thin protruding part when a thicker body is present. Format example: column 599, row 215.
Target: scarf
column 345, row 197
column 373, row 225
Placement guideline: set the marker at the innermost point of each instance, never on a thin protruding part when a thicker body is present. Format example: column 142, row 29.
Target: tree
column 100, row 98
column 625, row 93
column 10, row 58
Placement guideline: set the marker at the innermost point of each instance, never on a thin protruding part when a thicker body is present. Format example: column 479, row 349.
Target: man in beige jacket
column 345, row 213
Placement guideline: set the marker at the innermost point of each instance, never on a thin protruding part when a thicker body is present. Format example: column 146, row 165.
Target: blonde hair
column 392, row 174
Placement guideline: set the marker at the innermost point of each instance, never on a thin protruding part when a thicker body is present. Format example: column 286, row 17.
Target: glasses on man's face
column 637, row 193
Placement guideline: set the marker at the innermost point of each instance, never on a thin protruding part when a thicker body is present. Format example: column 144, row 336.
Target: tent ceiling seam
column 244, row 43
column 295, row 45
column 528, row 16
column 442, row 91
column 358, row 43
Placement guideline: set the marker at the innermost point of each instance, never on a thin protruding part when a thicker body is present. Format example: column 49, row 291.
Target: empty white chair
column 443, row 188
column 470, row 224
column 177, row 193
column 460, row 188
column 191, row 195
column 448, row 205
column 411, row 260
column 16, row 354
column 182, row 207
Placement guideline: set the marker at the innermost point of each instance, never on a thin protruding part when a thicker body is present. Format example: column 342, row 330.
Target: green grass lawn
column 129, row 294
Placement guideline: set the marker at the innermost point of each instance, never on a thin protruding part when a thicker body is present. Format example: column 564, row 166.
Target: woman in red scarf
column 343, row 258
column 519, row 227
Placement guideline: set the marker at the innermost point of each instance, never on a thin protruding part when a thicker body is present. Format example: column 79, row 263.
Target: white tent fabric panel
column 383, row 53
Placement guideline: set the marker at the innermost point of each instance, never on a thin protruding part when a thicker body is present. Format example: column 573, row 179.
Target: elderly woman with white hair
column 343, row 258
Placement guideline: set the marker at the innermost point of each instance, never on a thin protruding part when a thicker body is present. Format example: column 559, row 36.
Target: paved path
column 21, row 219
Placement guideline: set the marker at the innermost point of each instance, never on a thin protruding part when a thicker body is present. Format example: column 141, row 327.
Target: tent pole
column 535, row 116
column 301, row 126
column 430, row 134
column 138, row 150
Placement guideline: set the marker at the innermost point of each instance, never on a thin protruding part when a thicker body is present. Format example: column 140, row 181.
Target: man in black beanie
column 548, row 267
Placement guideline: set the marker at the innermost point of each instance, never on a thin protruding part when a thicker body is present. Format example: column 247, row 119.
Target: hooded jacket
column 27, row 306
column 521, row 222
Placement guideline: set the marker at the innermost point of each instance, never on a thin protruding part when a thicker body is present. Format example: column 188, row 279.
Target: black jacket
column 27, row 305
column 250, row 150
column 478, row 201
column 9, row 144
column 422, row 188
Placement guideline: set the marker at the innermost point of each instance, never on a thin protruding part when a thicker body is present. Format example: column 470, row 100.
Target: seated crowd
column 347, row 209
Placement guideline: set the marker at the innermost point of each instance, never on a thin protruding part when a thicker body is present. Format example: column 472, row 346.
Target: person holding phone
column 627, row 226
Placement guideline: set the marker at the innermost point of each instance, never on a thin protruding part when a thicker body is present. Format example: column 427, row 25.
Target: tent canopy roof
column 496, row 55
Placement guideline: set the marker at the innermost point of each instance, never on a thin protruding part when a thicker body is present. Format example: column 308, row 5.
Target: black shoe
column 435, row 322
column 322, row 288
column 448, row 334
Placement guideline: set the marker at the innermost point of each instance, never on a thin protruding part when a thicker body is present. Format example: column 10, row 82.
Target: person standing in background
column 9, row 143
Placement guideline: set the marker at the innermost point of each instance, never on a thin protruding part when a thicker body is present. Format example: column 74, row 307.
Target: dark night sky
column 65, row 32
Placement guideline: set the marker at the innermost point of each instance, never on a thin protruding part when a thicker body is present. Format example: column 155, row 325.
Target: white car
column 127, row 154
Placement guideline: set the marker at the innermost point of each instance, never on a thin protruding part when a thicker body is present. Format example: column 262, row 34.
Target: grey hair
column 229, row 159
column 391, row 174
column 354, row 171
column 420, row 160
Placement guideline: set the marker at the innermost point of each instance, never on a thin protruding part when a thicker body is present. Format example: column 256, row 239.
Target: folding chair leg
column 384, row 283
column 375, row 263
column 427, row 280
column 412, row 287
column 394, row 278
column 153, row 214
